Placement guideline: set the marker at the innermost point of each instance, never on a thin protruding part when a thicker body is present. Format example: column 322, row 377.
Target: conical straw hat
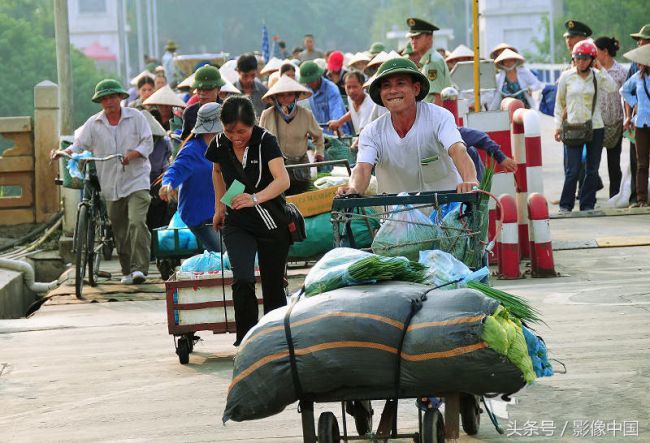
column 156, row 128
column 136, row 79
column 273, row 65
column 360, row 57
column 165, row 96
column 459, row 52
column 287, row 84
column 187, row 83
column 501, row 47
column 229, row 88
column 229, row 71
column 383, row 57
column 640, row 55
column 509, row 54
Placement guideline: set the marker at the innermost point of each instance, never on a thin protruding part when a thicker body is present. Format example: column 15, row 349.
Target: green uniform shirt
column 435, row 68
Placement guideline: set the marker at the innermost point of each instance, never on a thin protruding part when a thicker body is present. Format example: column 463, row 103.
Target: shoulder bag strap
column 593, row 105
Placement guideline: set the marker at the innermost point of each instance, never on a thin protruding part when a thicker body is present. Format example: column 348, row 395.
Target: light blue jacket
column 634, row 94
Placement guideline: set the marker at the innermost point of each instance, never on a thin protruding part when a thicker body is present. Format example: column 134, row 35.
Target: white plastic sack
column 622, row 199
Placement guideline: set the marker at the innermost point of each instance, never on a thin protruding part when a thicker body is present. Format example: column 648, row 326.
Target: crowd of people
column 246, row 129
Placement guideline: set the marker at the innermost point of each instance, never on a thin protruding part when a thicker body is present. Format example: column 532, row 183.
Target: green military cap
column 207, row 77
column 418, row 26
column 576, row 28
column 397, row 66
column 107, row 87
column 171, row 46
column 376, row 48
column 644, row 33
column 310, row 72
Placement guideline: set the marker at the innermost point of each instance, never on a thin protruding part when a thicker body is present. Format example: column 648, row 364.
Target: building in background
column 94, row 31
column 517, row 22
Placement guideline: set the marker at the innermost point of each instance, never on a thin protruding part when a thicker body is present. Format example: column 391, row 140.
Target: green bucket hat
column 644, row 33
column 171, row 46
column 397, row 66
column 108, row 86
column 207, row 77
column 310, row 72
column 376, row 48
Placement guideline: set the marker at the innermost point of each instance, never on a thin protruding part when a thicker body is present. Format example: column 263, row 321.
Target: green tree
column 28, row 54
column 610, row 18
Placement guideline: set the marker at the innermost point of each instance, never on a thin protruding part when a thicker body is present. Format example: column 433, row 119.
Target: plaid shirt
column 610, row 106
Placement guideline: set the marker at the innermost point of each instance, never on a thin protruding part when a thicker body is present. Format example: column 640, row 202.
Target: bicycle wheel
column 94, row 255
column 81, row 248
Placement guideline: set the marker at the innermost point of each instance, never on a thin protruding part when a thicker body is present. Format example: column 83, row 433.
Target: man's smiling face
column 398, row 92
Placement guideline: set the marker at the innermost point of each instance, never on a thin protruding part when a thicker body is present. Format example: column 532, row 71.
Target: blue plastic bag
column 73, row 164
column 547, row 103
column 538, row 353
column 438, row 216
column 186, row 239
column 207, row 262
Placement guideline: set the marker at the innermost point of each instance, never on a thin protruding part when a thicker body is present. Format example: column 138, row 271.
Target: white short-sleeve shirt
column 363, row 116
column 418, row 162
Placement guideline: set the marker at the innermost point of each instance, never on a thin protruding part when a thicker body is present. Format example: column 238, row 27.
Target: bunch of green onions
column 517, row 306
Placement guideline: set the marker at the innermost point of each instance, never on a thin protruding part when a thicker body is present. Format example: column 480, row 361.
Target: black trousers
column 272, row 249
column 614, row 167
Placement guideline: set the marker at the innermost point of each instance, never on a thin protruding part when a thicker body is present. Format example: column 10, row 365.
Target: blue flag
column 265, row 44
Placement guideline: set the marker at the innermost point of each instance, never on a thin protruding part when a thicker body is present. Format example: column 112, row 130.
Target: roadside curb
column 602, row 242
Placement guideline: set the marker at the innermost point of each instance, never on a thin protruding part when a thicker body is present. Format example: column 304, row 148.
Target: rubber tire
column 470, row 414
column 107, row 250
column 328, row 428
column 94, row 259
column 433, row 427
column 190, row 342
column 183, row 350
column 362, row 418
column 81, row 247
column 165, row 267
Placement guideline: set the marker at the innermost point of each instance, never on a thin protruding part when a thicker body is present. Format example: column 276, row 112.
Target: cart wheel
column 362, row 412
column 183, row 350
column 166, row 268
column 191, row 338
column 470, row 413
column 433, row 427
column 328, row 428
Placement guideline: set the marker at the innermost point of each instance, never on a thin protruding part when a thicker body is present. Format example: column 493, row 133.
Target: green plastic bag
column 320, row 235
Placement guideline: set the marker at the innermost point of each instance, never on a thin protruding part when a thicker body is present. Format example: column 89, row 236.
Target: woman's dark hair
column 608, row 43
column 246, row 63
column 146, row 80
column 287, row 67
column 237, row 109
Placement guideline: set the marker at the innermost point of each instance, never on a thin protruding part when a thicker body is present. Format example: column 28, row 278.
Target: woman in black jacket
column 255, row 221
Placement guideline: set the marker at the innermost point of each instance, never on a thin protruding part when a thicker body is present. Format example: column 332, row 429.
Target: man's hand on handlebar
column 468, row 186
column 54, row 153
column 346, row 190
column 131, row 155
column 334, row 125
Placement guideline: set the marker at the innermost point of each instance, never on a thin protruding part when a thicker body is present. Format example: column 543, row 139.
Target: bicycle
column 92, row 238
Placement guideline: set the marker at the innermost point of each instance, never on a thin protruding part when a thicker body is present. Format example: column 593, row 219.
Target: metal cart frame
column 458, row 406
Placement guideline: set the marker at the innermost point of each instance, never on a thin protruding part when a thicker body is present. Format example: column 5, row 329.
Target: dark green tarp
column 346, row 344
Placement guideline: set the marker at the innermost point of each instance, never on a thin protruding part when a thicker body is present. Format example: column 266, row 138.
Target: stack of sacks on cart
column 373, row 327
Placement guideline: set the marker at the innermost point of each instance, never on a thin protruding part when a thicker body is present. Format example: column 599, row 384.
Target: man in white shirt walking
column 414, row 147
column 360, row 104
column 125, row 187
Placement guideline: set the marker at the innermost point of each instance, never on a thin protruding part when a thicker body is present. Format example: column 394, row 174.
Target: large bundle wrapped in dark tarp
column 348, row 342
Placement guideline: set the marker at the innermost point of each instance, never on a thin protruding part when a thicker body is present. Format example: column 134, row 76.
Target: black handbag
column 296, row 223
column 577, row 134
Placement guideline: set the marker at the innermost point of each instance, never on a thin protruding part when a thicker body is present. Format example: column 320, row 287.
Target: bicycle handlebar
column 96, row 159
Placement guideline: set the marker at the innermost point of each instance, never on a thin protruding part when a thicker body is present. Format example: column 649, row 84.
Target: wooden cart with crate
column 201, row 301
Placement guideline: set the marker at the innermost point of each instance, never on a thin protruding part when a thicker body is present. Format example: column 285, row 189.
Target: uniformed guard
column 431, row 63
column 575, row 31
